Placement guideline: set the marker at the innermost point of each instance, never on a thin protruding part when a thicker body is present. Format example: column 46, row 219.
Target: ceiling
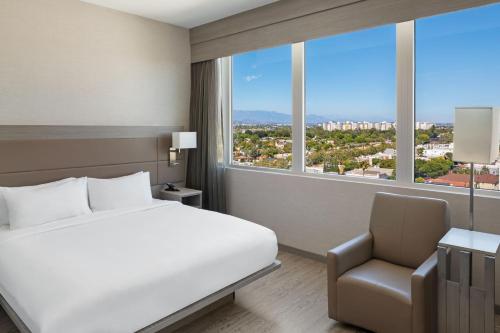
column 184, row 13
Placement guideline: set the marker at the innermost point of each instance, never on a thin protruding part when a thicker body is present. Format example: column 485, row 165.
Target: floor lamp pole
column 471, row 199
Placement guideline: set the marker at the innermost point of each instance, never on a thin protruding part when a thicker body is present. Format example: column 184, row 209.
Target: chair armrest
column 349, row 255
column 424, row 296
column 343, row 258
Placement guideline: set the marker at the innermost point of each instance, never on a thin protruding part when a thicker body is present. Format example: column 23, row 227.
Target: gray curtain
column 205, row 168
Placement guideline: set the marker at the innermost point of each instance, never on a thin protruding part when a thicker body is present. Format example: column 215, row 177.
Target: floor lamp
column 475, row 140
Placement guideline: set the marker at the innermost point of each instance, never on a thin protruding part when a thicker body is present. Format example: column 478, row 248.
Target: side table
column 463, row 308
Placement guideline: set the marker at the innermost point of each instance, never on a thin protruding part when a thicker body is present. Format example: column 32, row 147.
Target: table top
column 183, row 192
column 473, row 241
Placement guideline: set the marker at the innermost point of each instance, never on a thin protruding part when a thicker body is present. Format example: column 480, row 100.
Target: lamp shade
column 475, row 135
column 183, row 140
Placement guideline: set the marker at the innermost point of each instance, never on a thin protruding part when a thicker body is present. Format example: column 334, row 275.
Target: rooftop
column 462, row 180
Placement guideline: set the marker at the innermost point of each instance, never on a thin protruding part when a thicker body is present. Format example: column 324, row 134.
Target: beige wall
column 64, row 62
column 315, row 214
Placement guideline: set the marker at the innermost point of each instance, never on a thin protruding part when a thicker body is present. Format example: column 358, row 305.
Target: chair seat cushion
column 375, row 290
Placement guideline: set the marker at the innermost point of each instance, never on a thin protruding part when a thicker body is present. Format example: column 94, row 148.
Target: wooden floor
column 291, row 299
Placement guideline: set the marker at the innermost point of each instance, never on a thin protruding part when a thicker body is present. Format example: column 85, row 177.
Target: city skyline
column 353, row 75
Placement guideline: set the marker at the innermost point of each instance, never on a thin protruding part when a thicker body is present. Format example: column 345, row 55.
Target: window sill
column 367, row 181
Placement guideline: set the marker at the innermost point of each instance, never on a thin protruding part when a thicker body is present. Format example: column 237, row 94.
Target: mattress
column 122, row 270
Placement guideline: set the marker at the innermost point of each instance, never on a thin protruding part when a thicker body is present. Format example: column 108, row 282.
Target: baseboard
column 302, row 253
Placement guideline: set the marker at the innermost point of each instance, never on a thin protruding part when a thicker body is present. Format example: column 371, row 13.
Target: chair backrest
column 406, row 229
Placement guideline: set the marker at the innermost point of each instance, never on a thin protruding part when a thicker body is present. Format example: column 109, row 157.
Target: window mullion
column 405, row 44
column 298, row 119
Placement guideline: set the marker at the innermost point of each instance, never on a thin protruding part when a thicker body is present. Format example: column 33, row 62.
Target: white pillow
column 33, row 206
column 122, row 192
column 4, row 214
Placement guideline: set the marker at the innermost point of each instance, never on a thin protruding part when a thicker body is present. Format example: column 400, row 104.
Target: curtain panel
column 205, row 167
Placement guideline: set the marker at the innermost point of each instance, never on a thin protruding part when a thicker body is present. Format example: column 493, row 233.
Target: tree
column 388, row 164
column 484, row 170
column 462, row 170
column 253, row 153
column 260, row 144
column 422, row 138
column 433, row 168
column 361, row 138
column 316, row 158
column 446, row 137
column 364, row 165
column 287, row 148
column 350, row 165
column 393, row 176
column 420, row 151
column 432, row 132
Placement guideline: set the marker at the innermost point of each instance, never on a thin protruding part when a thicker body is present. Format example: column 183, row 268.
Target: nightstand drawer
column 194, row 201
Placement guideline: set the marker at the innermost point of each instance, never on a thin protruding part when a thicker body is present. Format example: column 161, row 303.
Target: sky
column 353, row 76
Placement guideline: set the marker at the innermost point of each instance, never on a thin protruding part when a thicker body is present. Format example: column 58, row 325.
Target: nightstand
column 186, row 196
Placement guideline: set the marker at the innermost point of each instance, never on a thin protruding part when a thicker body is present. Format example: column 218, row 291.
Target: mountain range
column 271, row 117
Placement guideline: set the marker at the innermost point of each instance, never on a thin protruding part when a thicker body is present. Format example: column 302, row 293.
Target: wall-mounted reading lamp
column 181, row 140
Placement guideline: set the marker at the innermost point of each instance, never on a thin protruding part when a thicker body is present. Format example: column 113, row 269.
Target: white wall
column 315, row 214
column 64, row 62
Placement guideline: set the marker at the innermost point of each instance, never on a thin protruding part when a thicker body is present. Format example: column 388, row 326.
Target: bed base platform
column 176, row 319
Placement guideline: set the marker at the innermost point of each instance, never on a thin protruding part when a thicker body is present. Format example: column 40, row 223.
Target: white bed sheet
column 119, row 271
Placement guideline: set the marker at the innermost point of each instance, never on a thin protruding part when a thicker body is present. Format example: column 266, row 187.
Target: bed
column 124, row 270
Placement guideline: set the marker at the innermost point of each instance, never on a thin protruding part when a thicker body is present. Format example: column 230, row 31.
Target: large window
column 261, row 108
column 351, row 104
column 457, row 59
column 346, row 89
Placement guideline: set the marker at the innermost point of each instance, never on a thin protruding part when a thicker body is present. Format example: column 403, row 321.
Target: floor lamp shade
column 475, row 135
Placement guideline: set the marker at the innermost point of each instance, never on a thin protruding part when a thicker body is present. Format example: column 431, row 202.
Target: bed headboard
column 32, row 155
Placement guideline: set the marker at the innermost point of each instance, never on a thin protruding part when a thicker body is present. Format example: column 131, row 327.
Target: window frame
column 405, row 119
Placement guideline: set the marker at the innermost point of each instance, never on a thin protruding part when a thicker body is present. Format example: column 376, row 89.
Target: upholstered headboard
column 32, row 155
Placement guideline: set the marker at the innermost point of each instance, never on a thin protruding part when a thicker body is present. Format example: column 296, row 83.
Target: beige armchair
column 386, row 280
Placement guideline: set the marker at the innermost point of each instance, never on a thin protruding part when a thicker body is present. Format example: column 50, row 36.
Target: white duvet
column 120, row 271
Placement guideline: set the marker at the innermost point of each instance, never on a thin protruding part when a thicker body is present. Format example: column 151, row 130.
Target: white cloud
column 249, row 78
